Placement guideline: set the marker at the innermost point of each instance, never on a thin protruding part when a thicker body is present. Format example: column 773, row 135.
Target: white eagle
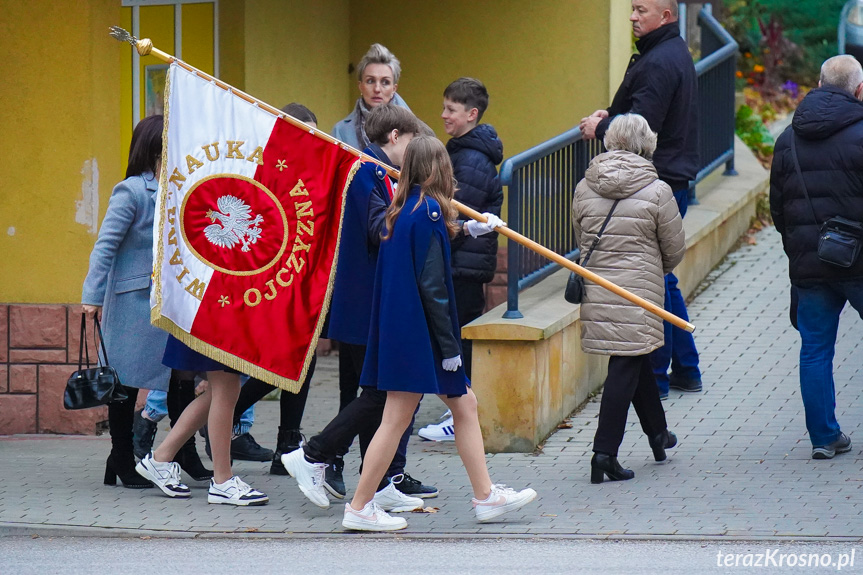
column 235, row 224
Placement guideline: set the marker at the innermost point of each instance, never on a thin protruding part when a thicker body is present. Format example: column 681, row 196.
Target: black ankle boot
column 124, row 468
column 659, row 443
column 287, row 441
column 190, row 462
column 603, row 464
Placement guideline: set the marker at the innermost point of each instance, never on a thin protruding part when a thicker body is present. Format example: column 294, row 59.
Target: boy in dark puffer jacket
column 475, row 151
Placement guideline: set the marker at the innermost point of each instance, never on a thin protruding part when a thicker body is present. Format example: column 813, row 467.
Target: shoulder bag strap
column 599, row 235
column 83, row 349
column 101, row 343
column 800, row 175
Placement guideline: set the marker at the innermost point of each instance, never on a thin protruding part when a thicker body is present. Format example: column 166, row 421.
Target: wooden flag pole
column 145, row 47
column 559, row 259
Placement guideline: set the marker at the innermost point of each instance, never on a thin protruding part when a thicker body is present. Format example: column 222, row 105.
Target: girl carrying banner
column 414, row 346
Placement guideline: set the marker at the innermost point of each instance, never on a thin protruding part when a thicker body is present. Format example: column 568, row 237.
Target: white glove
column 475, row 228
column 452, row 363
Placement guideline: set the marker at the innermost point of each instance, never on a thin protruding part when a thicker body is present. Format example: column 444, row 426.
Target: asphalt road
column 93, row 556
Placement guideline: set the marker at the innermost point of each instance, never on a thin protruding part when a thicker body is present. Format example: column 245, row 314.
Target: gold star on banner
column 281, row 165
column 224, row 301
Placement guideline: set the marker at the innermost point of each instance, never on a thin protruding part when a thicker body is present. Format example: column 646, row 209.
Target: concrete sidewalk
column 741, row 470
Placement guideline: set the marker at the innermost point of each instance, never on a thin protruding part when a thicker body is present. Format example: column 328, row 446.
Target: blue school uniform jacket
column 414, row 324
column 363, row 221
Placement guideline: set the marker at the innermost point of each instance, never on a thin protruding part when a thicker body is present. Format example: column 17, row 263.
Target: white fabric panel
column 200, row 113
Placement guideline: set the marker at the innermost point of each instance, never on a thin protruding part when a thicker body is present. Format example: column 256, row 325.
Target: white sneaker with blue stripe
column 443, row 431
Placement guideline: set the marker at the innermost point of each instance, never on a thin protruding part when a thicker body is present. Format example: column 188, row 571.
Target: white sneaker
column 235, row 491
column 391, row 499
column 502, row 500
column 371, row 518
column 165, row 476
column 309, row 476
column 443, row 431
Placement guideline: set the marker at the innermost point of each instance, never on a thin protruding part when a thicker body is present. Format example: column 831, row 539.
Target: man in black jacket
column 826, row 132
column 661, row 85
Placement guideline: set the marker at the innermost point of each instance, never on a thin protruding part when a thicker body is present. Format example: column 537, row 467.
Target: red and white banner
column 248, row 221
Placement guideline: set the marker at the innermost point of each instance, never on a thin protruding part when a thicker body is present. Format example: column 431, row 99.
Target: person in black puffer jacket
column 826, row 131
column 475, row 151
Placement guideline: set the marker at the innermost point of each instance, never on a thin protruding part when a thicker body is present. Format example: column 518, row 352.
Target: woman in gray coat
column 642, row 242
column 378, row 74
column 117, row 288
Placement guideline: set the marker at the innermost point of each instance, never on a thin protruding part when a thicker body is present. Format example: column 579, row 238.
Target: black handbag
column 93, row 386
column 574, row 292
column 840, row 239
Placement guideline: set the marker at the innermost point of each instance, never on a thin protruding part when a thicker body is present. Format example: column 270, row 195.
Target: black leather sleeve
column 435, row 298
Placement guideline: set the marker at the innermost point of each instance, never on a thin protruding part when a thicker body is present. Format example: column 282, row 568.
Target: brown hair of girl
column 426, row 164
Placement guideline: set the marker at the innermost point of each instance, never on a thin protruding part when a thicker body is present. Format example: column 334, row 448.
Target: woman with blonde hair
column 378, row 79
column 627, row 220
column 414, row 345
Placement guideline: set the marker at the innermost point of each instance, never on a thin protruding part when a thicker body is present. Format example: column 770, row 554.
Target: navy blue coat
column 403, row 353
column 363, row 221
column 475, row 156
column 661, row 85
column 829, row 128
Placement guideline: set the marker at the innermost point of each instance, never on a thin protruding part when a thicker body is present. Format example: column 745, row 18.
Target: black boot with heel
column 181, row 392
column 124, row 468
column 121, row 461
column 661, row 442
column 604, row 464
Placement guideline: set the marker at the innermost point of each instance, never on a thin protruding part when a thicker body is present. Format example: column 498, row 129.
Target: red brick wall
column 38, row 353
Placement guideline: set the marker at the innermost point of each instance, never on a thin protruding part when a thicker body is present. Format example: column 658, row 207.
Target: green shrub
column 751, row 129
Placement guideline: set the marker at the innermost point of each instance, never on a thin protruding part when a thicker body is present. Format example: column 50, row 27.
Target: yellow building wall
column 60, row 110
column 297, row 51
column 66, row 112
column 545, row 62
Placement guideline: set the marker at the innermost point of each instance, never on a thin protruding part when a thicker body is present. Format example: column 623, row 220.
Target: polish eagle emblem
column 235, row 224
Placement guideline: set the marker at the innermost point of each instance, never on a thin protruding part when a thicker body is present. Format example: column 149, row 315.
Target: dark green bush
column 751, row 129
column 810, row 24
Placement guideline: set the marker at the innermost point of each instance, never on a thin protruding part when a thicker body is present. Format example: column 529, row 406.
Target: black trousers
column 291, row 405
column 630, row 380
column 361, row 416
column 469, row 303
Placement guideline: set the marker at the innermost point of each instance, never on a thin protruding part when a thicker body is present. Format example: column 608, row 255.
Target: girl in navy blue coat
column 414, row 344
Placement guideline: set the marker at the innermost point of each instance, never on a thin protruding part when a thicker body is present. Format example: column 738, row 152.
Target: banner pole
column 145, row 47
column 587, row 274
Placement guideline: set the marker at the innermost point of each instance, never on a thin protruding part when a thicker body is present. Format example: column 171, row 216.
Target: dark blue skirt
column 180, row 356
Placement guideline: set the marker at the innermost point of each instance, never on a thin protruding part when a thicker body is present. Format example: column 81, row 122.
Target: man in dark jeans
column 661, row 85
column 826, row 133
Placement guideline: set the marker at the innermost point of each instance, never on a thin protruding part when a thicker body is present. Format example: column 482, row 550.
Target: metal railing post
column 513, row 250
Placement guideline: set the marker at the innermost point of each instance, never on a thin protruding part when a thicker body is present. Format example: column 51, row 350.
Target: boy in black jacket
column 475, row 151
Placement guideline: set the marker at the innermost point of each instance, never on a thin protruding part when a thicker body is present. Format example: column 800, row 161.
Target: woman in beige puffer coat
column 642, row 242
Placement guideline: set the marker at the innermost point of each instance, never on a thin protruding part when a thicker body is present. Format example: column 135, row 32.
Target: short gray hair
column 842, row 72
column 631, row 133
column 669, row 5
column 379, row 54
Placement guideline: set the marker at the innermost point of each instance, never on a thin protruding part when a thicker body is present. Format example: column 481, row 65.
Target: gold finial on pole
column 143, row 46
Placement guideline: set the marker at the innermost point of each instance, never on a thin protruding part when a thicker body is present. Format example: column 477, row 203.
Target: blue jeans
column 156, row 410
column 679, row 351
column 818, row 312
